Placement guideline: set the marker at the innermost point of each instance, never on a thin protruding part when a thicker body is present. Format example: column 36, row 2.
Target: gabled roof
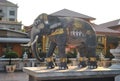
column 7, row 3
column 69, row 13
column 106, row 31
column 105, row 28
column 110, row 24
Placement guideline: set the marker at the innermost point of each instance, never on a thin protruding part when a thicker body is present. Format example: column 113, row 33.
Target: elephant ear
column 54, row 21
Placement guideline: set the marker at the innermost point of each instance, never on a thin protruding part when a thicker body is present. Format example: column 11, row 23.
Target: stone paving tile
column 15, row 76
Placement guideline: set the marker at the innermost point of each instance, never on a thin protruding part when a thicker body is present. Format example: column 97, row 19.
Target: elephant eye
column 37, row 22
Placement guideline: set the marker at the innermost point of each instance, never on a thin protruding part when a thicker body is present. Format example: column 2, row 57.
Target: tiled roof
column 7, row 3
column 69, row 13
column 106, row 31
column 16, row 31
column 110, row 24
column 105, row 28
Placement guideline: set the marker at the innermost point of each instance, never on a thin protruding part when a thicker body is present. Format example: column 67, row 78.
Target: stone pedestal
column 117, row 78
column 115, row 61
column 41, row 73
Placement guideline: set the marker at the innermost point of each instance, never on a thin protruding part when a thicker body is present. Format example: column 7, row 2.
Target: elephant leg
column 49, row 56
column 63, row 57
column 92, row 62
column 82, row 58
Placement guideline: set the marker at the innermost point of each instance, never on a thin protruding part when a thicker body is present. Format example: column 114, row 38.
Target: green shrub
column 11, row 54
column 71, row 55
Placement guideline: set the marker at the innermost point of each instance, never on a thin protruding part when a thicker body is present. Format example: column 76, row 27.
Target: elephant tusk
column 28, row 44
column 36, row 38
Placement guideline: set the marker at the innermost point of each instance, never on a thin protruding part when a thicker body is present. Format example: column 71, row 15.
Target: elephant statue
column 62, row 32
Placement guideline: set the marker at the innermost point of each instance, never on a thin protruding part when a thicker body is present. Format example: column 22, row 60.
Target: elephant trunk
column 34, row 39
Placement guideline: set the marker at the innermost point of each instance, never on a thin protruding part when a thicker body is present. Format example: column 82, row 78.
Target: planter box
column 10, row 68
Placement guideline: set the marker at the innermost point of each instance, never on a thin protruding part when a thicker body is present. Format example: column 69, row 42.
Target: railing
column 104, row 63
column 20, row 63
column 32, row 62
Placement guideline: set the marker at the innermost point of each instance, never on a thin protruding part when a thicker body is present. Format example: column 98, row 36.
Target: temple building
column 11, row 36
column 12, row 40
column 108, row 36
column 8, row 15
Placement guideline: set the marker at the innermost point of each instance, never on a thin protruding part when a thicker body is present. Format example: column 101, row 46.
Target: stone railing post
column 116, row 60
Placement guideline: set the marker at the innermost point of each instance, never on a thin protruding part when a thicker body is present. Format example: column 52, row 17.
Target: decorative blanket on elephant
column 57, row 31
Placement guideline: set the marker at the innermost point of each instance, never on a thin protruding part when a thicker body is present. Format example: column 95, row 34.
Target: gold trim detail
column 92, row 59
column 82, row 59
column 50, row 59
column 63, row 59
column 58, row 31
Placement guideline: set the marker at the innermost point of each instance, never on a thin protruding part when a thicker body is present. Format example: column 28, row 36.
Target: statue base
column 41, row 73
column 115, row 64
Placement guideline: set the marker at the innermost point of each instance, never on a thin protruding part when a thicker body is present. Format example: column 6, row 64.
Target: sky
column 103, row 10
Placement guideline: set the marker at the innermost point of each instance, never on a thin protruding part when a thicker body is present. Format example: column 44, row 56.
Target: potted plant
column 10, row 67
column 71, row 57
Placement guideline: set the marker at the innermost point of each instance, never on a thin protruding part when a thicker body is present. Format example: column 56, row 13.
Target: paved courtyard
column 15, row 76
